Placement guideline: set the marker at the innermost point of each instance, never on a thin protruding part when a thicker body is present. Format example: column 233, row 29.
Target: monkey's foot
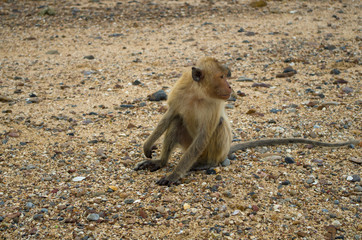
column 173, row 179
column 152, row 165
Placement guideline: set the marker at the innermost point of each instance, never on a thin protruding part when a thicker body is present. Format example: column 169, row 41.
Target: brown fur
column 196, row 121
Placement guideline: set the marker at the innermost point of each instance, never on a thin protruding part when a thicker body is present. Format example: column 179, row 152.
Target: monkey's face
column 213, row 79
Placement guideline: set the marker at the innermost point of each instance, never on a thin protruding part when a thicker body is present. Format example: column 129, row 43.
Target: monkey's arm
column 191, row 155
column 284, row 141
column 161, row 127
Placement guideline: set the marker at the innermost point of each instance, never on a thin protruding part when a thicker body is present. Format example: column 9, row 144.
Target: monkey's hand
column 148, row 150
column 152, row 165
column 172, row 179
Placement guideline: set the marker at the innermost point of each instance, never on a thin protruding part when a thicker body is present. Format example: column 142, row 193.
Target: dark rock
column 250, row 34
column 90, row 57
column 128, row 201
column 335, row 71
column 38, row 216
column 289, row 160
column 340, row 81
column 261, row 85
column 274, row 110
column 241, row 30
column 330, row 47
column 137, row 82
column 158, row 96
column 356, row 178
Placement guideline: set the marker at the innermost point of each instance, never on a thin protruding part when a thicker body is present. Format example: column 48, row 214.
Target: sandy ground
column 74, row 81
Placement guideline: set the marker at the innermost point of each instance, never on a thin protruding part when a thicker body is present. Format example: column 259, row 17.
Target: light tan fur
column 196, row 121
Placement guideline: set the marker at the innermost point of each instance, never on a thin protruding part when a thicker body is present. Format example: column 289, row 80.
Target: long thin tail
column 284, row 141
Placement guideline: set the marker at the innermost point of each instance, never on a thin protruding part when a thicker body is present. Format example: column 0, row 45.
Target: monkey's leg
column 189, row 158
column 161, row 127
column 169, row 143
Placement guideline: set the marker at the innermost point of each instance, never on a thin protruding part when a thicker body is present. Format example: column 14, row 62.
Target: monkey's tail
column 284, row 141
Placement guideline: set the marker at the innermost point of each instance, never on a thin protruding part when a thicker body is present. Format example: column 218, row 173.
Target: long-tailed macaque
column 196, row 121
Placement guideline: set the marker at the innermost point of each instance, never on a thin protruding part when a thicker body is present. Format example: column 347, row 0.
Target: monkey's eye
column 222, row 76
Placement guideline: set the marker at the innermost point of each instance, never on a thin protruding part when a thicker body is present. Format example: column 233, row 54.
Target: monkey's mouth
column 225, row 96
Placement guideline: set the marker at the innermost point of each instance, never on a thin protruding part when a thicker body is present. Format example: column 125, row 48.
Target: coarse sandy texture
column 65, row 116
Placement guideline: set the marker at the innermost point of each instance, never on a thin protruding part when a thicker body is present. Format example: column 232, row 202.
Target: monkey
column 196, row 121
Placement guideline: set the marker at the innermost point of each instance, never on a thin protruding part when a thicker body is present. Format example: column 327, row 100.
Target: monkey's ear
column 197, row 74
column 229, row 72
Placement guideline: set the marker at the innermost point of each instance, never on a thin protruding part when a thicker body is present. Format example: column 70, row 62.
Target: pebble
column 244, row 79
column 93, row 217
column 241, row 30
column 158, row 96
column 186, row 206
column 336, row 223
column 89, row 57
column 129, row 201
column 38, row 216
column 358, row 188
column 52, row 52
column 340, row 81
column 289, row 160
column 335, row 71
column 29, row 205
column 310, row 181
column 261, row 85
column 1, row 218
column 274, row 110
column 226, row 162
column 347, row 90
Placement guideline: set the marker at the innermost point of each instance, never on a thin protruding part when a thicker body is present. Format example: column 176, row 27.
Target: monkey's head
column 212, row 76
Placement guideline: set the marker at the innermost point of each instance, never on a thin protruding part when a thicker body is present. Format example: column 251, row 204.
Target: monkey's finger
column 154, row 168
column 163, row 182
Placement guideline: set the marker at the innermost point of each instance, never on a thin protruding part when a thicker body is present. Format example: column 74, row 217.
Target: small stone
column 47, row 178
column 255, row 208
column 250, row 34
column 274, row 110
column 226, row 162
column 218, row 177
column 347, row 90
column 241, row 30
column 128, row 201
column 289, row 160
column 335, row 71
column 244, row 79
column 38, row 216
column 286, row 182
column 356, row 178
column 29, row 205
column 186, row 206
column 330, row 47
column 142, row 214
column 158, row 96
column 52, row 52
column 310, row 180
column 261, row 85
column 336, row 223
column 5, row 99
column 93, row 217
column 14, row 134
column 137, row 82
column 258, row 4
column 358, row 188
column 89, row 57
